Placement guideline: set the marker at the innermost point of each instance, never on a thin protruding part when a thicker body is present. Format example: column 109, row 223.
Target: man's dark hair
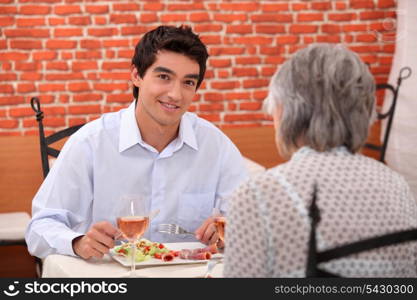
column 176, row 39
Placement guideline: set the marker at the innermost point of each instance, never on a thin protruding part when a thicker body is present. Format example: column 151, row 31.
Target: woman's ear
column 134, row 75
column 277, row 115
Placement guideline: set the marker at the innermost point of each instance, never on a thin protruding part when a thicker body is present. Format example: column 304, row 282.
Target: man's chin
column 169, row 122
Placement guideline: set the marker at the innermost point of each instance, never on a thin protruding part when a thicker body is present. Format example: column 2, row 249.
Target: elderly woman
column 322, row 102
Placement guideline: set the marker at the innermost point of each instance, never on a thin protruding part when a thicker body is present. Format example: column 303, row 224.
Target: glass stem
column 132, row 268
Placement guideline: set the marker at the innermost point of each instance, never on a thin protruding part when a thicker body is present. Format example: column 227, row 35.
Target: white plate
column 125, row 261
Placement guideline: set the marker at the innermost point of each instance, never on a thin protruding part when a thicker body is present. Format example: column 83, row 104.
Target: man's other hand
column 207, row 233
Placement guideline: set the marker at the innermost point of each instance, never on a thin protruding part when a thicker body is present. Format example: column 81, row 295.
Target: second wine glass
column 220, row 218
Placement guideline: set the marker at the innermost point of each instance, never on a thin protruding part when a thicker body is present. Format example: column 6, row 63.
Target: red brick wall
column 75, row 54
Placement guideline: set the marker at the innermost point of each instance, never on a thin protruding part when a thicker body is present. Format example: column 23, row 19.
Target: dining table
column 56, row 265
column 64, row 266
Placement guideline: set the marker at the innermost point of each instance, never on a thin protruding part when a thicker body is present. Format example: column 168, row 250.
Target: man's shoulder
column 202, row 126
column 106, row 122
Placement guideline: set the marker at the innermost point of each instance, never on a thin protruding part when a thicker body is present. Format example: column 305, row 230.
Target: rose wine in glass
column 133, row 227
column 132, row 222
column 220, row 220
column 220, row 223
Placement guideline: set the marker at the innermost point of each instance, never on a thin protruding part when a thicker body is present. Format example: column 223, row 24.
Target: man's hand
column 207, row 233
column 96, row 242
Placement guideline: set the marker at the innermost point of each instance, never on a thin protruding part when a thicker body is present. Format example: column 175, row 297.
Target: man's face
column 167, row 88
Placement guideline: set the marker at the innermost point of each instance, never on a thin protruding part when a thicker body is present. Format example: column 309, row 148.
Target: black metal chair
column 316, row 257
column 44, row 141
column 45, row 149
column 405, row 73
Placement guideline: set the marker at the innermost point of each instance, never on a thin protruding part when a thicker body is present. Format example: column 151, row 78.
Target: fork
column 172, row 229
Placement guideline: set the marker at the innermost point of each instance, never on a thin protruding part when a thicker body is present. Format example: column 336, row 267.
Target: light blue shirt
column 107, row 159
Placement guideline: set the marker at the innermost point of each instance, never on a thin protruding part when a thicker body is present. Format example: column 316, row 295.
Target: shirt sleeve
column 233, row 173
column 246, row 236
column 63, row 202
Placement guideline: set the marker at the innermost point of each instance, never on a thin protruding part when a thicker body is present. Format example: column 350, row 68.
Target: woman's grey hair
column 327, row 98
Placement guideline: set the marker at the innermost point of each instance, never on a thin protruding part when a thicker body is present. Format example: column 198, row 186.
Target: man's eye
column 163, row 76
column 190, row 82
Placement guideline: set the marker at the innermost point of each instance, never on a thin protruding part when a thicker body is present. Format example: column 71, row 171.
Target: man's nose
column 175, row 92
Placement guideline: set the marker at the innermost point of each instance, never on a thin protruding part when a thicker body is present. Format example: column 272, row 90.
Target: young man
column 177, row 162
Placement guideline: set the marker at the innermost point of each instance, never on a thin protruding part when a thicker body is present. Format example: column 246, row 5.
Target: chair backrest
column 405, row 73
column 44, row 141
column 316, row 257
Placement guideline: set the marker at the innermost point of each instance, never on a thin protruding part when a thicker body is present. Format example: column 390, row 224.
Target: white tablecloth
column 70, row 267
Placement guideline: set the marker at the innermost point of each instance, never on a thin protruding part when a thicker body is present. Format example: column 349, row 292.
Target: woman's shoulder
column 260, row 182
column 263, row 185
column 301, row 168
column 304, row 170
column 380, row 169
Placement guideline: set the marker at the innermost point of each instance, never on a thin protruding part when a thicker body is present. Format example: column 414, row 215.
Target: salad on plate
column 146, row 250
column 154, row 251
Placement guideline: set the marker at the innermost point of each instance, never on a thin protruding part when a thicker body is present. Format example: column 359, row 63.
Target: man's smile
column 168, row 106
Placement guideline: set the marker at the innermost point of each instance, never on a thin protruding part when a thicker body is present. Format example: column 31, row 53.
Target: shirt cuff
column 64, row 243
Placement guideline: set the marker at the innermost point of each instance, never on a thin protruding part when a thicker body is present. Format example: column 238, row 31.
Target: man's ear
column 134, row 75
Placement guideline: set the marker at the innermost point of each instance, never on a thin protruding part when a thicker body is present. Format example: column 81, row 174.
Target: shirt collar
column 306, row 150
column 130, row 133
column 186, row 133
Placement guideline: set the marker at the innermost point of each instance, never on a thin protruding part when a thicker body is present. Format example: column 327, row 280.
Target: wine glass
column 133, row 221
column 220, row 218
column 219, row 223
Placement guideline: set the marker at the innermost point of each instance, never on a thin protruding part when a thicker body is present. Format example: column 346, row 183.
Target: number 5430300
column 389, row 289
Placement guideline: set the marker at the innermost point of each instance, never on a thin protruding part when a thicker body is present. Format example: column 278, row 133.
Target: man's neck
column 154, row 134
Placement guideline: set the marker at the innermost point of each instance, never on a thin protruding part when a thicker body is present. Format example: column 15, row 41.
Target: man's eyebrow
column 163, row 69
column 192, row 76
column 169, row 71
